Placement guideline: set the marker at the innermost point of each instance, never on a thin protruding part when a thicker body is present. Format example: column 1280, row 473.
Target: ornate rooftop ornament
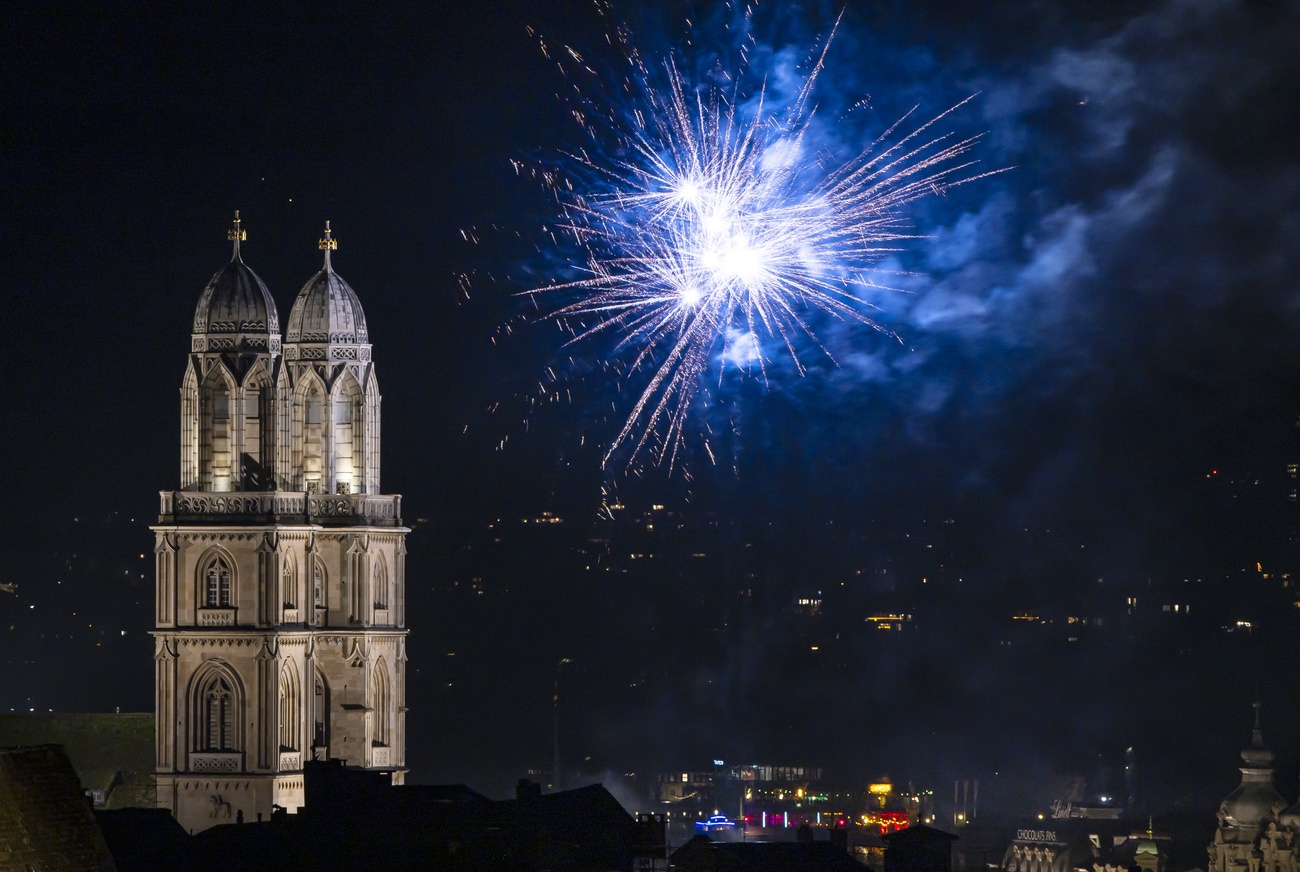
column 238, row 234
column 327, row 244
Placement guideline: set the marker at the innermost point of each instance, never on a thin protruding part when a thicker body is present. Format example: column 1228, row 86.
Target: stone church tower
column 280, row 566
column 1248, row 838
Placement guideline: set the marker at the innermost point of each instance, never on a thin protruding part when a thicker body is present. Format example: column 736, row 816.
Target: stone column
column 236, row 437
column 399, row 583
column 268, row 581
column 166, row 723
column 308, row 707
column 309, row 582
column 165, row 576
column 327, row 470
column 398, row 751
column 267, row 698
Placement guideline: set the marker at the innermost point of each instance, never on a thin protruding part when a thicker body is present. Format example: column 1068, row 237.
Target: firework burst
column 717, row 229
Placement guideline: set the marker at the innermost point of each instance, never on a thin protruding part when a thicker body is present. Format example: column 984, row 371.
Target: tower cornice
column 279, row 508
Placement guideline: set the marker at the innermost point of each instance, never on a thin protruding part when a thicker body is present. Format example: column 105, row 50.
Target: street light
column 555, row 700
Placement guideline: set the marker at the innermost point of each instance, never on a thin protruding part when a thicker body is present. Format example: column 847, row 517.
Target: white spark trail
column 719, row 228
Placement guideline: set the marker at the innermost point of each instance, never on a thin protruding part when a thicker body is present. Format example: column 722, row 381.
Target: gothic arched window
column 320, row 713
column 311, row 462
column 257, row 461
column 289, row 584
column 380, row 700
column 216, row 583
column 218, row 714
column 215, row 436
column 288, row 710
column 380, row 589
column 349, row 465
column 318, row 582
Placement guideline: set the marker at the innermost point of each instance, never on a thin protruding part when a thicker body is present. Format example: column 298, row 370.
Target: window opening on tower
column 218, row 583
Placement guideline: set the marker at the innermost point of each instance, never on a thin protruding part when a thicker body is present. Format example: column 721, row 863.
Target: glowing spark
column 716, row 230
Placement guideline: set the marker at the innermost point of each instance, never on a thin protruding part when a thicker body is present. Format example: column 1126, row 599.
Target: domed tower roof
column 235, row 310
column 327, row 311
column 1255, row 800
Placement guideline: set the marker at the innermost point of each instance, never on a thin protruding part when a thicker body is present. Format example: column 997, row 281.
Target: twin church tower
column 280, row 627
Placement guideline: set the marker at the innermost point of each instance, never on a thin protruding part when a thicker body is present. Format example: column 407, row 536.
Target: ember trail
column 721, row 225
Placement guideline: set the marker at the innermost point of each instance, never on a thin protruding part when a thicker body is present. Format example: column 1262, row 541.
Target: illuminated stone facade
column 1256, row 832
column 280, row 609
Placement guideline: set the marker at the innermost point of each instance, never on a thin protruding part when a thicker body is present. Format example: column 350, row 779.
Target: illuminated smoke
column 719, row 227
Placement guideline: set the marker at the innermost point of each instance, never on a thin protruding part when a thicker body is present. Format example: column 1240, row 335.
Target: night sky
column 1093, row 393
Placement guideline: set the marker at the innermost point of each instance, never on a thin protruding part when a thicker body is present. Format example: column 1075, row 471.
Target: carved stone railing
column 291, row 616
column 321, row 615
column 216, row 761
column 379, row 756
column 279, row 507
column 220, row 616
column 383, row 618
column 290, row 761
column 183, row 503
column 380, row 509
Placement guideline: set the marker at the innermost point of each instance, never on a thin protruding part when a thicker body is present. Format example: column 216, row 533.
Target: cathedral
column 280, row 618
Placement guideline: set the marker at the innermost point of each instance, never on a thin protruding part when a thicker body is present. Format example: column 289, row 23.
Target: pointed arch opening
column 216, row 435
column 313, row 435
column 217, row 702
column 216, row 580
column 309, row 434
column 318, row 581
column 348, row 441
column 190, row 429
column 379, row 582
column 290, row 709
column 257, row 462
column 320, row 738
column 289, row 581
column 381, row 735
column 371, row 434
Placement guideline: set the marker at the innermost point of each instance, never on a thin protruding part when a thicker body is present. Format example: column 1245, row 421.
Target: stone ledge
column 280, row 507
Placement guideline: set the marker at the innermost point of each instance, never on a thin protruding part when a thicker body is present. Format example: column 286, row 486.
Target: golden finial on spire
column 236, row 234
column 328, row 244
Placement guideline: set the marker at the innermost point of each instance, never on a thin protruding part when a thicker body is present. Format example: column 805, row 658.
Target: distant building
column 45, row 821
column 770, row 798
column 1084, row 845
column 919, row 848
column 358, row 819
column 701, row 854
column 113, row 754
column 280, row 617
column 1256, row 832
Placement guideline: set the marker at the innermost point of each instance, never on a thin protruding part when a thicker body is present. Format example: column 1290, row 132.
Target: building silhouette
column 45, row 821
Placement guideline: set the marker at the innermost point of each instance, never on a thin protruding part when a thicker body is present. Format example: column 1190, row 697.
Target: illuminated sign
column 888, row 821
column 881, row 789
column 1035, row 836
